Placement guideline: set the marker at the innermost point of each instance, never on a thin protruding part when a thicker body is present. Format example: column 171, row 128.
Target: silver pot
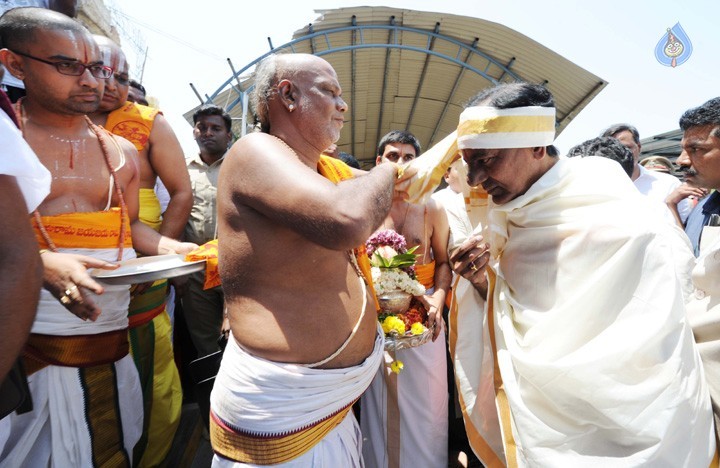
column 396, row 301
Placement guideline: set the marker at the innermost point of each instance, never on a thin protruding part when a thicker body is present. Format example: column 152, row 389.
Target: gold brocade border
column 74, row 351
column 393, row 436
column 102, row 413
column 486, row 454
column 270, row 450
column 507, row 124
column 500, row 396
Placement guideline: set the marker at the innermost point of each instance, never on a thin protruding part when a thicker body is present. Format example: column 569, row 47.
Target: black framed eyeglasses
column 72, row 68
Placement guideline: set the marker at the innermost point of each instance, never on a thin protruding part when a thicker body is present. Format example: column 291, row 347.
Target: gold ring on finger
column 473, row 267
column 65, row 300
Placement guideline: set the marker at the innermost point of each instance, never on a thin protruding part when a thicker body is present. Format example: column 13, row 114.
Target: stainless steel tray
column 145, row 269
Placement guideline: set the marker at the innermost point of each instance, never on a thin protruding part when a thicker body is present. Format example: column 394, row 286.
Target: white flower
column 390, row 279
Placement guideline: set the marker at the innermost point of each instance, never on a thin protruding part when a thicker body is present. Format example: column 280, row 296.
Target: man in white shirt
column 651, row 183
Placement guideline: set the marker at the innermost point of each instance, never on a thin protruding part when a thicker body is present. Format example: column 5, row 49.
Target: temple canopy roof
column 413, row 70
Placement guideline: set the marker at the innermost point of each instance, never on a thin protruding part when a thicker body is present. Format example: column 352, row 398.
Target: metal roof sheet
column 413, row 70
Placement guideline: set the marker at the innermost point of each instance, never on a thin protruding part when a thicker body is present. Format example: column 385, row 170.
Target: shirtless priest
column 84, row 386
column 305, row 334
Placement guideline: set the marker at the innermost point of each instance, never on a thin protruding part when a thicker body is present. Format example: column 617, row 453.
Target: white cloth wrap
column 54, row 319
column 422, row 405
column 512, row 138
column 703, row 311
column 595, row 354
column 264, row 397
column 18, row 160
column 55, row 433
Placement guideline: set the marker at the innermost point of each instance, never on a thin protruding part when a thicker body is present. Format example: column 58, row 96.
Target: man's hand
column 180, row 285
column 683, row 191
column 403, row 181
column 170, row 246
column 470, row 261
column 67, row 279
column 434, row 305
column 140, row 288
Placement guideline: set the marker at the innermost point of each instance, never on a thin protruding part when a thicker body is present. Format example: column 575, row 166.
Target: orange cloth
column 426, row 274
column 335, row 170
column 330, row 168
column 100, row 230
column 133, row 122
column 208, row 252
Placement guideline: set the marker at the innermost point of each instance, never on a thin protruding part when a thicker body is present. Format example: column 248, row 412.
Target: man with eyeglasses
column 160, row 156
column 15, row 88
column 84, row 385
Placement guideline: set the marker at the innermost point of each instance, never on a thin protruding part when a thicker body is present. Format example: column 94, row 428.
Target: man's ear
column 539, row 152
column 286, row 92
column 13, row 63
column 378, row 159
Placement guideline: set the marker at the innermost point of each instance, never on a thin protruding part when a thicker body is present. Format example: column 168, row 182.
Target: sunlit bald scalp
column 19, row 25
column 269, row 72
column 104, row 41
column 111, row 48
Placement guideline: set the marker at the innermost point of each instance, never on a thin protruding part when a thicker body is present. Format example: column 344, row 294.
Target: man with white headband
column 581, row 355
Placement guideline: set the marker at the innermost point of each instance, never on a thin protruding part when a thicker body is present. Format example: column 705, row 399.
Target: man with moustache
column 582, row 353
column 700, row 159
column 699, row 173
column 305, row 341
column 84, row 386
column 160, row 157
column 203, row 308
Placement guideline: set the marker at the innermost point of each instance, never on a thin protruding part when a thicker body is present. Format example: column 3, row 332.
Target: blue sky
column 613, row 39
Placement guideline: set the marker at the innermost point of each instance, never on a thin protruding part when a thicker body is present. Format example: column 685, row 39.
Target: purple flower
column 387, row 237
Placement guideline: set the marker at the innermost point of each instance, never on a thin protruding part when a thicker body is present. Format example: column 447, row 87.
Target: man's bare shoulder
column 258, row 158
column 129, row 159
column 162, row 134
column 258, row 145
column 435, row 210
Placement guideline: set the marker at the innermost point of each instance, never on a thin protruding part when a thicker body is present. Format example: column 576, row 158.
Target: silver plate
column 395, row 343
column 145, row 269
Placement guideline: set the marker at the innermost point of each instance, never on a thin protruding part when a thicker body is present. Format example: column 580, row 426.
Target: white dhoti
column 265, row 400
column 81, row 417
column 404, row 417
column 583, row 355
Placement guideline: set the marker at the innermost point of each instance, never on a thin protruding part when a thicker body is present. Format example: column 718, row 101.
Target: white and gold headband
column 519, row 127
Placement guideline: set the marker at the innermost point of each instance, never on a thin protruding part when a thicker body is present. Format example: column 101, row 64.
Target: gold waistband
column 269, row 449
column 74, row 351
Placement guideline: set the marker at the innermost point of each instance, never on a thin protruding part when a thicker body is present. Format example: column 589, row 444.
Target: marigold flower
column 391, row 323
column 417, row 328
column 396, row 366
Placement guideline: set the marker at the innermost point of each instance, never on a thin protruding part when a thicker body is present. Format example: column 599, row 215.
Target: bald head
column 112, row 54
column 273, row 69
column 20, row 25
column 117, row 86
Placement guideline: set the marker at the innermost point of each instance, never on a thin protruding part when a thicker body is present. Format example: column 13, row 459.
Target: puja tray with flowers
column 415, row 313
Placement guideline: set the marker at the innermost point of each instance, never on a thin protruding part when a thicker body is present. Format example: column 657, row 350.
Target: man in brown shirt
column 203, row 309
